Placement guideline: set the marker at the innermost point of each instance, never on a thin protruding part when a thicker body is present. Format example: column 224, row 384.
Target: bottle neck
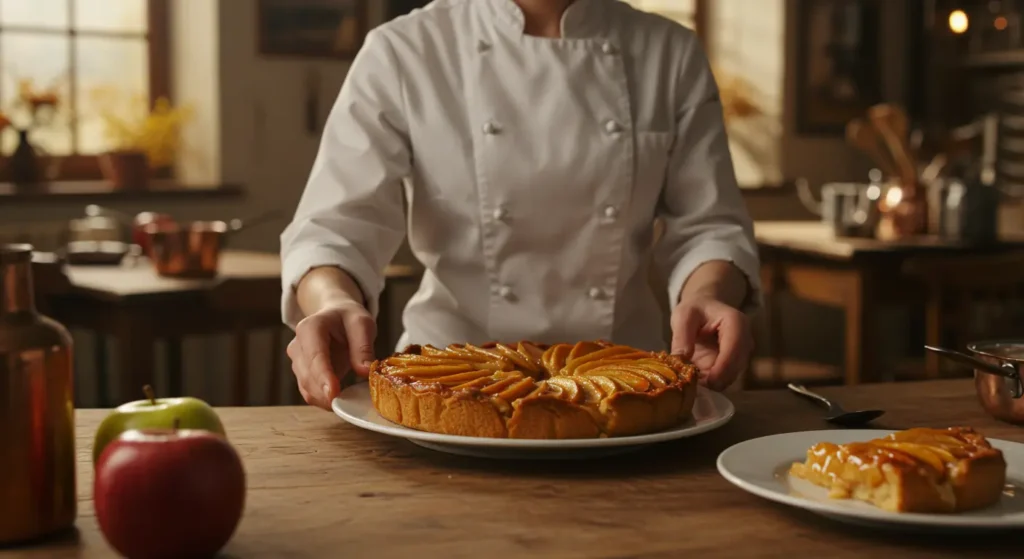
column 16, row 294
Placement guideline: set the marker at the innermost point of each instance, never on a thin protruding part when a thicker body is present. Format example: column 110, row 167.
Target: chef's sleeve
column 703, row 211
column 351, row 214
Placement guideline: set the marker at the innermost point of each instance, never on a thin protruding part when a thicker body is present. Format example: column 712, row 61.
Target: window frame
column 87, row 167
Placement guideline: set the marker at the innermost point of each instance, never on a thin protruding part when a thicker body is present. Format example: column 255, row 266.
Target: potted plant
column 144, row 139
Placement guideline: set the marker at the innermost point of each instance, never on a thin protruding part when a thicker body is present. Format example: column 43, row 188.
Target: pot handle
column 1007, row 370
column 803, row 192
column 236, row 225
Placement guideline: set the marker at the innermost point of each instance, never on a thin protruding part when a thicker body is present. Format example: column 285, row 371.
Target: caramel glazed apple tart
column 534, row 391
column 917, row 470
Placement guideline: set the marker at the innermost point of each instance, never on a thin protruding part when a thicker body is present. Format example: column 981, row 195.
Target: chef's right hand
column 328, row 344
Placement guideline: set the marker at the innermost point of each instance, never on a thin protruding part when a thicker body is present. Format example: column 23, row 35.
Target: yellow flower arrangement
column 136, row 127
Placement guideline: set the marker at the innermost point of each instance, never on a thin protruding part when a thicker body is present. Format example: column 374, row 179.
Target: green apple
column 156, row 413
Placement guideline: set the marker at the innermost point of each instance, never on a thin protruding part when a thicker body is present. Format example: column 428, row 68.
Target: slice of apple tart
column 917, row 470
column 534, row 391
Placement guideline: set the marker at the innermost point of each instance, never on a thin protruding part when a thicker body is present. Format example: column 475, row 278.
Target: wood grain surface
column 319, row 487
column 815, row 238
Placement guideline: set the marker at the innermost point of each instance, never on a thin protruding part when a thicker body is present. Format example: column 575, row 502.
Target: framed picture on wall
column 839, row 63
column 312, row 28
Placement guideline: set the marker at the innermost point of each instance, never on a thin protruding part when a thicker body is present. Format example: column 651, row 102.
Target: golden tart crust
column 534, row 391
column 916, row 470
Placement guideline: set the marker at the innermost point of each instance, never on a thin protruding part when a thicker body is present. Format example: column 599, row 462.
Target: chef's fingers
column 314, row 334
column 299, row 370
column 686, row 324
column 360, row 332
column 732, row 347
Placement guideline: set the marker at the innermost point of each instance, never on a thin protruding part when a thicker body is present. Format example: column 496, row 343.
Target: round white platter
column 710, row 411
column 761, row 466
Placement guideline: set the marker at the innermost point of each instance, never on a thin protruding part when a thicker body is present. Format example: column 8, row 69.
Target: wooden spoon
column 892, row 124
column 860, row 134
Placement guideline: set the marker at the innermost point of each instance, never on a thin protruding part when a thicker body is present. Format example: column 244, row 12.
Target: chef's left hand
column 714, row 336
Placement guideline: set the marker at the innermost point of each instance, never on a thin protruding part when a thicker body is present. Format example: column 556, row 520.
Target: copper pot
column 186, row 250
column 192, row 249
column 997, row 376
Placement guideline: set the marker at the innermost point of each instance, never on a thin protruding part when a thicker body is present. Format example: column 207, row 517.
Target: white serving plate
column 760, row 466
column 710, row 411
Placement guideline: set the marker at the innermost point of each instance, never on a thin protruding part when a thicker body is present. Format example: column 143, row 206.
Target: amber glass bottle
column 37, row 425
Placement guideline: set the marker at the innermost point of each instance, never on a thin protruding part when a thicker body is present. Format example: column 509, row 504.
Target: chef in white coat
column 536, row 142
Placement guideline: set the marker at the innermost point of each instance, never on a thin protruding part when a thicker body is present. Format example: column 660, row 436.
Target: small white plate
column 761, row 466
column 710, row 411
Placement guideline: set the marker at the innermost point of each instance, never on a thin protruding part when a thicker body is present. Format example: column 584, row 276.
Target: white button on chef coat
column 491, row 128
column 610, row 212
column 499, row 214
column 409, row 115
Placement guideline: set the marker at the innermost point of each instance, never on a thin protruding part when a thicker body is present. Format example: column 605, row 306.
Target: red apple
column 169, row 493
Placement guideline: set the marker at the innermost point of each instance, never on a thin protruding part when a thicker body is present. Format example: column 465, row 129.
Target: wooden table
column 319, row 487
column 855, row 275
column 137, row 307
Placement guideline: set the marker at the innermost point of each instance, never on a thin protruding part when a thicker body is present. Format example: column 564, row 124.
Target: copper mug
column 997, row 376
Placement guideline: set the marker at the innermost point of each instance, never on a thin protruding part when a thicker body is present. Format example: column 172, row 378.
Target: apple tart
column 534, row 391
column 918, row 470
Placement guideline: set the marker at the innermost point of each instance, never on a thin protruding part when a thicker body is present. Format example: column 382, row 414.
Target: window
column 70, row 50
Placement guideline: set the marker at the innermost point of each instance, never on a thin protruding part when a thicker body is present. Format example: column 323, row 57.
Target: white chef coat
column 533, row 169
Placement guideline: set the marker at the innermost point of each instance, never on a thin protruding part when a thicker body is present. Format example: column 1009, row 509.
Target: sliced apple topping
column 630, row 381
column 570, row 389
column 592, row 391
column 654, row 378
column 501, row 384
column 460, row 378
column 517, row 358
column 430, row 350
column 585, row 372
column 604, row 353
column 607, row 385
column 532, row 352
column 555, row 356
column 475, row 384
column 517, row 390
column 410, row 360
column 662, row 369
column 581, row 349
column 928, row 455
column 471, row 353
column 432, row 371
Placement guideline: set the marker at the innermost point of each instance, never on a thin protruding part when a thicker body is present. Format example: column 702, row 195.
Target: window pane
column 109, row 71
column 41, row 62
column 127, row 16
column 34, row 13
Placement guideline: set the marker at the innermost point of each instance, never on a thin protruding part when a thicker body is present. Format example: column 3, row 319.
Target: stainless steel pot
column 997, row 376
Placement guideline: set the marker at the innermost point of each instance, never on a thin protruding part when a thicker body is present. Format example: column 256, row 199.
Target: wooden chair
column 249, row 309
column 969, row 298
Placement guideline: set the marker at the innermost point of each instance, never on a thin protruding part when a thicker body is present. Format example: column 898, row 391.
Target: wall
column 250, row 130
